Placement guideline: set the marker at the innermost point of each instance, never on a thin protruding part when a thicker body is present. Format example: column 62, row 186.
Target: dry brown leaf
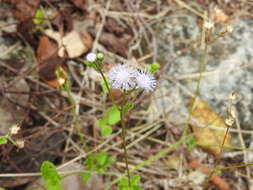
column 221, row 183
column 74, row 43
column 118, row 45
column 220, row 16
column 205, row 116
column 24, row 9
column 173, row 162
column 48, row 68
column 46, row 49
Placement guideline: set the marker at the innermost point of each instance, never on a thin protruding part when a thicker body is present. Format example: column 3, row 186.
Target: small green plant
column 8, row 137
column 39, row 19
column 97, row 163
column 128, row 80
column 39, row 16
column 50, row 176
column 134, row 181
column 65, row 86
column 154, row 67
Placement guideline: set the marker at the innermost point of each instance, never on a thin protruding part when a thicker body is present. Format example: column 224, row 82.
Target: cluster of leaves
column 50, row 176
column 111, row 117
column 97, row 163
column 154, row 67
column 124, row 184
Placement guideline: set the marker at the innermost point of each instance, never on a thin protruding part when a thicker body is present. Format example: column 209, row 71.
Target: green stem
column 155, row 157
column 239, row 166
column 123, row 133
column 106, row 83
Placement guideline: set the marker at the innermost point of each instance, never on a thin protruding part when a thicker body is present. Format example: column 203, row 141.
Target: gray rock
column 225, row 58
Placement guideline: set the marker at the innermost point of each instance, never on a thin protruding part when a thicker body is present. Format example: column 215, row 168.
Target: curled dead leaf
column 74, row 43
column 208, row 139
column 46, row 49
column 48, row 69
column 221, row 183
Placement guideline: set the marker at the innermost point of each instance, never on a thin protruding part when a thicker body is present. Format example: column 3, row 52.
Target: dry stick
column 183, row 4
column 202, row 66
column 154, row 54
column 101, row 26
column 217, row 160
column 245, row 158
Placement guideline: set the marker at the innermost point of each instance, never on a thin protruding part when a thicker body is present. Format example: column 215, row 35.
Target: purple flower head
column 145, row 80
column 122, row 77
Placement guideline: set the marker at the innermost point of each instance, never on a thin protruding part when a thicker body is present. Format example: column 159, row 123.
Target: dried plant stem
column 123, row 133
column 217, row 160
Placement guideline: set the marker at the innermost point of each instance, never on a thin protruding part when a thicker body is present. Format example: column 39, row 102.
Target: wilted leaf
column 209, row 139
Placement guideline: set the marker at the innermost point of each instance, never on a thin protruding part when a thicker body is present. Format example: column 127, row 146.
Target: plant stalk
column 123, row 133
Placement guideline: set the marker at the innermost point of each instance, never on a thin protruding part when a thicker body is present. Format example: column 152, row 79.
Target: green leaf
column 135, row 180
column 39, row 16
column 3, row 140
column 112, row 115
column 50, row 176
column 101, row 158
column 89, row 162
column 154, row 67
column 91, row 64
column 85, row 177
column 106, row 130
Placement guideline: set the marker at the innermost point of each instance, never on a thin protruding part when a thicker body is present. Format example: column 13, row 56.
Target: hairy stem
column 106, row 85
column 123, row 133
